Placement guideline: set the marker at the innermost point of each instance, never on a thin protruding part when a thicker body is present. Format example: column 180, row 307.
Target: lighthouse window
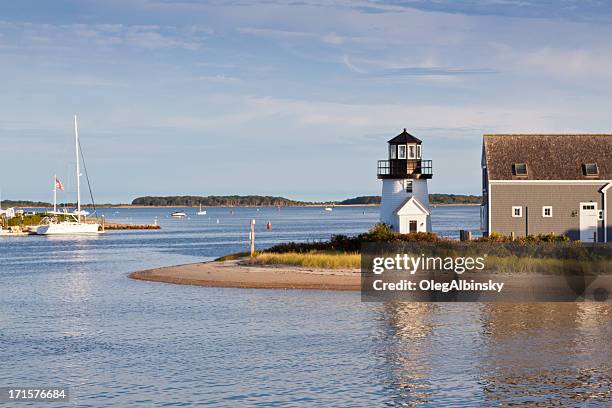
column 418, row 151
column 401, row 152
column 411, row 152
column 408, row 185
column 393, row 152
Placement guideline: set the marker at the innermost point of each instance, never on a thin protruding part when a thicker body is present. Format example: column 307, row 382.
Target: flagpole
column 55, row 193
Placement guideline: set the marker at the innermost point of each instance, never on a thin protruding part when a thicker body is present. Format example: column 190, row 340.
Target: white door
column 588, row 221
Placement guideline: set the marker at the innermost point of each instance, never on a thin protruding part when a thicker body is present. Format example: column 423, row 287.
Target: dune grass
column 313, row 259
column 514, row 264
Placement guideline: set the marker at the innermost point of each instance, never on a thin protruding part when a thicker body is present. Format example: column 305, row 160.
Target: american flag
column 59, row 185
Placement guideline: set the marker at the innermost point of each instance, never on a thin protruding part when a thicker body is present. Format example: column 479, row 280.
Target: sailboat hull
column 68, row 228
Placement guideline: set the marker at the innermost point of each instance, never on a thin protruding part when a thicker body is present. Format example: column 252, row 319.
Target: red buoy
column 269, row 225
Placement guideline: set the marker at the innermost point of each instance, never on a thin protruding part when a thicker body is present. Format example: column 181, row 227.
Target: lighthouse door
column 413, row 226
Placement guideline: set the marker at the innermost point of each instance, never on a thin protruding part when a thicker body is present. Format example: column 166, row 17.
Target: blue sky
column 293, row 98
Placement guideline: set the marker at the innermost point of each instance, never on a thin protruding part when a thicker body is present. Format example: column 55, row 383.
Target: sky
column 290, row 98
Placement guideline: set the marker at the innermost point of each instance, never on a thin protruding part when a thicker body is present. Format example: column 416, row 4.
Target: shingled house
column 536, row 184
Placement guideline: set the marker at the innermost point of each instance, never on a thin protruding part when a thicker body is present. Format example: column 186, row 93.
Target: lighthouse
column 405, row 197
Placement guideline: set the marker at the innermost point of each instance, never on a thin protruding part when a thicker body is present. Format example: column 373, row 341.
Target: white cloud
column 151, row 37
column 568, row 63
column 220, row 78
column 351, row 66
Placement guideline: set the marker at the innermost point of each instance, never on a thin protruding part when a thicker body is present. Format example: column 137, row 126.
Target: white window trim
column 399, row 156
column 547, row 207
column 411, row 148
column 408, row 183
column 520, row 211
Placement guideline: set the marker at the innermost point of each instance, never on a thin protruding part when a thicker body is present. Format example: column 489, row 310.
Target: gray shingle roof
column 548, row 156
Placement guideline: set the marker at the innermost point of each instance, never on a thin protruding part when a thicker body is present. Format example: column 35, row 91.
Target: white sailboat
column 72, row 224
column 201, row 212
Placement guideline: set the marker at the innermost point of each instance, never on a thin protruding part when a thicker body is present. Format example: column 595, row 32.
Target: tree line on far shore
column 244, row 201
column 435, row 198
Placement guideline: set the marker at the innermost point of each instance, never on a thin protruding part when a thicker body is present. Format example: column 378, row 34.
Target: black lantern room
column 405, row 159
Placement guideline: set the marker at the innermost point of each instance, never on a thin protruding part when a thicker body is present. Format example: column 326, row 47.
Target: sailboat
column 201, row 212
column 72, row 224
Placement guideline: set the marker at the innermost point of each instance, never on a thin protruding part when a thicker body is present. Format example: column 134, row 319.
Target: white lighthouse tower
column 405, row 198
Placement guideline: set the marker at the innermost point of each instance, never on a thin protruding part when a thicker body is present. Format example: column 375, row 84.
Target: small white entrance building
column 405, row 197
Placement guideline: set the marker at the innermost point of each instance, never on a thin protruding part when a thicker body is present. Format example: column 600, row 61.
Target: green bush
column 497, row 237
column 378, row 233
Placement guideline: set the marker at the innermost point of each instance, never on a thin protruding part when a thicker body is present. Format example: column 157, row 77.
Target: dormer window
column 401, row 151
column 590, row 169
column 519, row 169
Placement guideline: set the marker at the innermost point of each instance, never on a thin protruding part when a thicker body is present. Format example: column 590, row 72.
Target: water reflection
column 547, row 353
column 407, row 327
column 497, row 354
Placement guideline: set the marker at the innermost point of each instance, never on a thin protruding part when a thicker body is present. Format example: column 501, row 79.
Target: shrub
column 529, row 239
column 378, row 233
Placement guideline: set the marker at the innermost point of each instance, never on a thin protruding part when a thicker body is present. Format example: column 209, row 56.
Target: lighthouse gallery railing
column 402, row 168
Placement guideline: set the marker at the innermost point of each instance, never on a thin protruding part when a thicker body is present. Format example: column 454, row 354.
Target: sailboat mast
column 78, row 170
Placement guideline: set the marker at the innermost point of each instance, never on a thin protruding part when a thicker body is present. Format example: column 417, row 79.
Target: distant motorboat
column 201, row 212
column 179, row 214
column 329, row 209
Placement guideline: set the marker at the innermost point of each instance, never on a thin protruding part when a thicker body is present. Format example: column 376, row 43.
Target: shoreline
column 120, row 206
column 233, row 274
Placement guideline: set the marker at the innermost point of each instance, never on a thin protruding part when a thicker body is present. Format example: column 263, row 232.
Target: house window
column 520, row 169
column 590, row 169
column 517, row 212
column 411, row 152
column 401, row 152
column 418, row 151
column 392, row 152
column 408, row 185
column 547, row 211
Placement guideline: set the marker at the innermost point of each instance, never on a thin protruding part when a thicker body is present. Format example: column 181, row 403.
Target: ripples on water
column 69, row 316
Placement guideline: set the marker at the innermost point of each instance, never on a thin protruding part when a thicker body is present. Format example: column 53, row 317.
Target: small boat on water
column 201, row 212
column 71, row 224
column 178, row 214
column 329, row 209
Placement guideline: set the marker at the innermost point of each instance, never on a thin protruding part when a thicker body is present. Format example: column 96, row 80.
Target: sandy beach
column 233, row 274
column 237, row 274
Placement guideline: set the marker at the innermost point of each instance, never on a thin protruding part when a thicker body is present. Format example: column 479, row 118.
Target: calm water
column 69, row 316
